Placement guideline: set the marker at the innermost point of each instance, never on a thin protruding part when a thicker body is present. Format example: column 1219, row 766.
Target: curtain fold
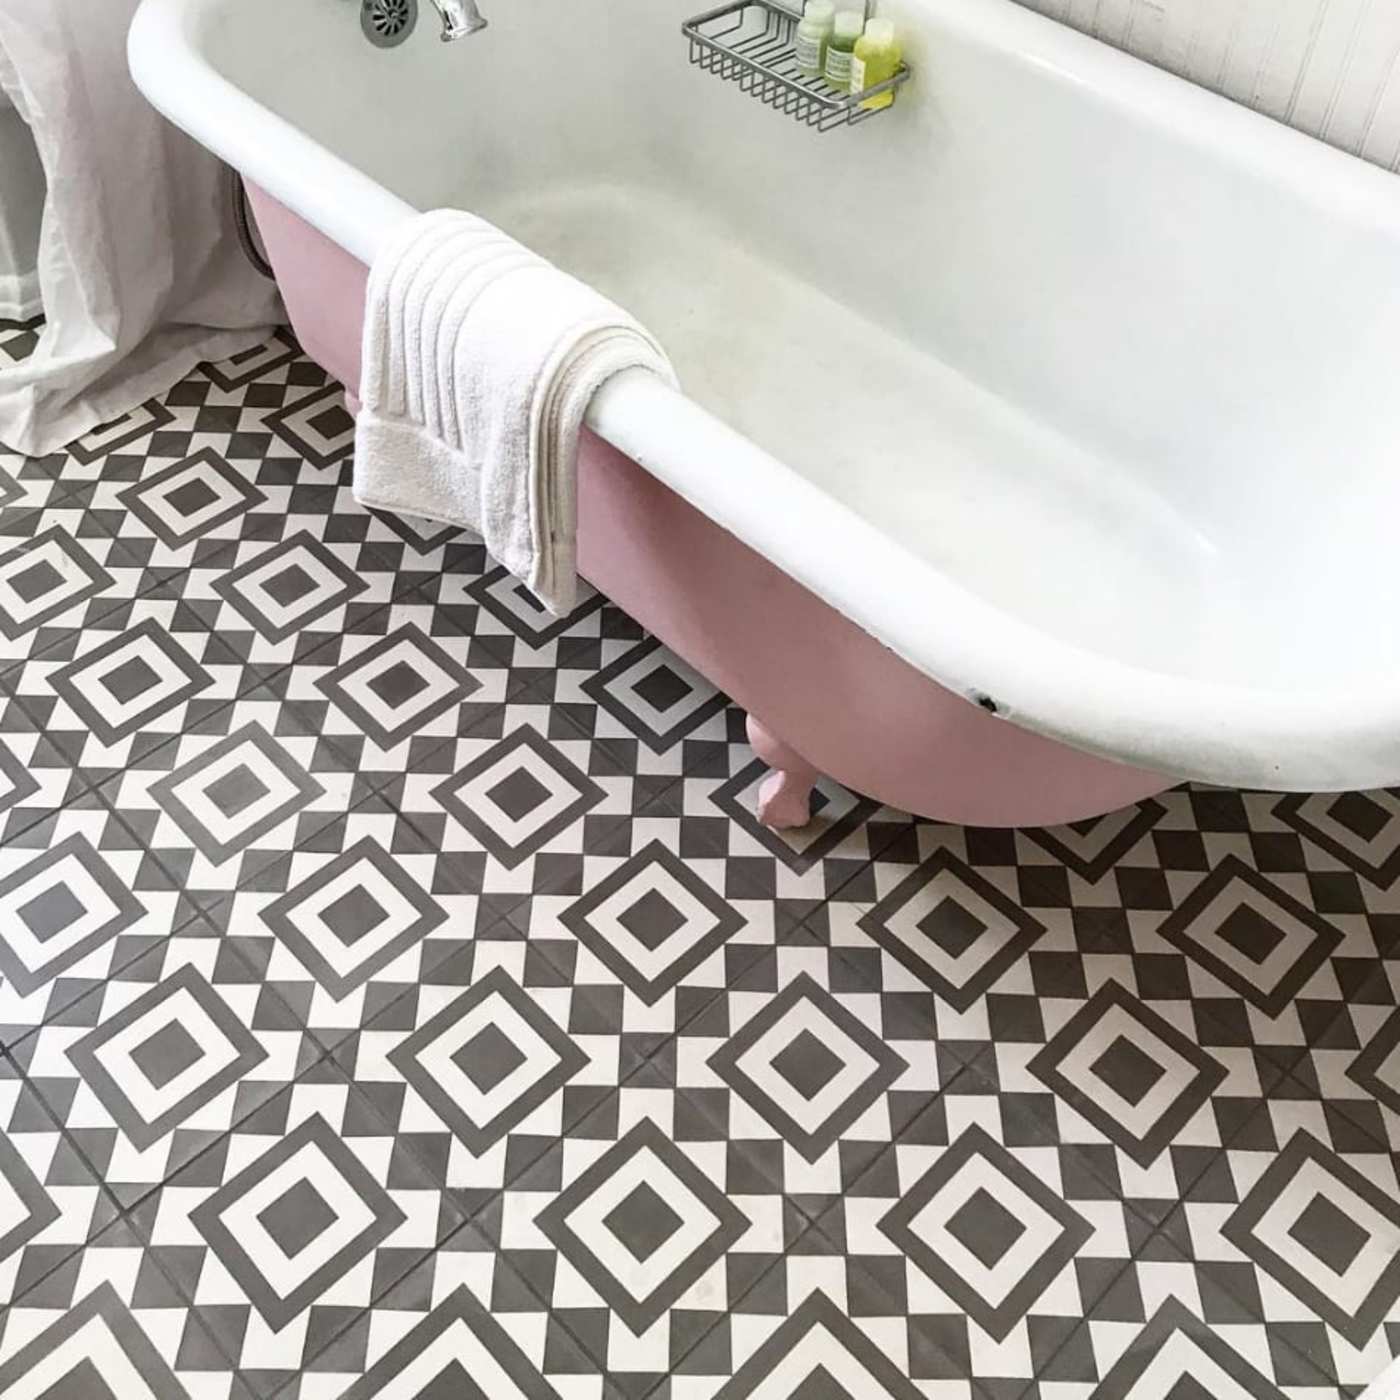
column 139, row 270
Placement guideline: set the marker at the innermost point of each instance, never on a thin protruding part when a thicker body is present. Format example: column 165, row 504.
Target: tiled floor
column 399, row 998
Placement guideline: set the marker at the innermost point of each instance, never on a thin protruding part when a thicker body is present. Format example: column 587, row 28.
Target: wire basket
column 751, row 42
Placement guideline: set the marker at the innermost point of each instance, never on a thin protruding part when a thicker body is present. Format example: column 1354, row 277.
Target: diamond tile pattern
column 987, row 1231
column 400, row 998
column 261, row 1224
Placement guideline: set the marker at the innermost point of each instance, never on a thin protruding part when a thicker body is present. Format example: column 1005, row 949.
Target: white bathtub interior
column 1132, row 390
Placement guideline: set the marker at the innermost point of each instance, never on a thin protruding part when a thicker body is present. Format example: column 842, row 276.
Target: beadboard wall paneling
column 1331, row 67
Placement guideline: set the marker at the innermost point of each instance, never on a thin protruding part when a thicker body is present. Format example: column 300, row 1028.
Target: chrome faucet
column 459, row 18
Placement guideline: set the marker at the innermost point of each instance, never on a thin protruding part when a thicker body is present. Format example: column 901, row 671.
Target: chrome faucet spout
column 459, row 18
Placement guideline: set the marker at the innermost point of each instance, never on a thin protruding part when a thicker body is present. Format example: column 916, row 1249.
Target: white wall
column 1331, row 67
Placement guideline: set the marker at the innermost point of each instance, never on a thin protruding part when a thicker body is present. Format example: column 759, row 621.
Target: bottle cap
column 849, row 24
column 823, row 11
column 880, row 31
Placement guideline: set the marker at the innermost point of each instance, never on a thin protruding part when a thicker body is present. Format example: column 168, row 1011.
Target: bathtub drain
column 387, row 23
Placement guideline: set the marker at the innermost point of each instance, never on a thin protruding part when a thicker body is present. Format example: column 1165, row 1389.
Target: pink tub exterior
column 850, row 707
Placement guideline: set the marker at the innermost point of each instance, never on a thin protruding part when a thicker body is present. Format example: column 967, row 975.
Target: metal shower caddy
column 752, row 43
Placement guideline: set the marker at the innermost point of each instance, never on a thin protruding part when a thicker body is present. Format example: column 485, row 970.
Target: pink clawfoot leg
column 785, row 795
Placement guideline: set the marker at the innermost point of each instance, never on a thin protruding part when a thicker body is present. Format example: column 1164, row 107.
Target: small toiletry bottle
column 839, row 50
column 876, row 59
column 813, row 33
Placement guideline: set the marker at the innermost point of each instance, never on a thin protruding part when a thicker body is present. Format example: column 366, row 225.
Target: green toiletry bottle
column 875, row 60
column 813, row 34
column 841, row 48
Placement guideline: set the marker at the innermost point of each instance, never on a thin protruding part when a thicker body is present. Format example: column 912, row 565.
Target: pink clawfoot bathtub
column 1003, row 486
column 833, row 700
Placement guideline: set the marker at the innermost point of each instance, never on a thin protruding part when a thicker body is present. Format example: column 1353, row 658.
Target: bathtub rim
column 1226, row 733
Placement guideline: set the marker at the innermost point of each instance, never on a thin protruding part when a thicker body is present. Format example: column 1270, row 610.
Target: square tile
column 819, row 1354
column 235, row 792
column 640, row 1263
column 56, row 909
column 250, row 366
column 1326, row 1233
column 96, row 1351
column 988, row 1233
column 45, row 578
column 150, row 1066
column 121, row 433
column 1251, row 935
column 518, row 795
column 487, row 1060
column 398, row 685
column 354, row 917
column 1377, row 1068
column 510, row 602
column 317, row 426
column 130, row 681
column 807, row 1066
column 295, row 584
column 192, row 499
column 652, row 921
column 952, row 928
column 1092, row 848
column 1361, row 829
column 293, row 1223
column 166, row 1056
column 654, row 695
column 1180, row 1356
column 460, row 1350
column 283, row 1231
column 1130, row 1072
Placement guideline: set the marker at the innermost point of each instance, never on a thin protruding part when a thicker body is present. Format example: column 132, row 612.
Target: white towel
column 480, row 359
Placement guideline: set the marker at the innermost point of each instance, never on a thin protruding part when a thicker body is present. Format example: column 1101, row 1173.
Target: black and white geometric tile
column 159, row 1061
column 1252, row 934
column 81, row 899
column 518, row 794
column 18, row 339
column 202, row 497
column 652, row 694
column 1359, row 828
column 808, row 1067
column 141, row 423
column 283, row 591
column 474, row 1069
column 316, row 426
column 1327, row 1233
column 400, row 997
column 643, row 1226
column 95, row 1349
column 457, row 1349
column 51, row 1202
column 953, row 929
column 291, row 1225
column 1129, row 1071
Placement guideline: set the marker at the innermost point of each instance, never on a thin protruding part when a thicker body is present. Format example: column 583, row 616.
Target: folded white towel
column 480, row 359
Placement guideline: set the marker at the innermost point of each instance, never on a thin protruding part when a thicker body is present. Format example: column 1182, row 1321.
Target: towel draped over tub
column 480, row 359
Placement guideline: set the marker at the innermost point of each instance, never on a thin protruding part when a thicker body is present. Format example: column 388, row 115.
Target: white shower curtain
column 139, row 270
